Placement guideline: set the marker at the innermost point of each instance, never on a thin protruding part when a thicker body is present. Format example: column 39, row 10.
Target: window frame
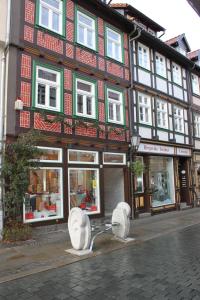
column 176, row 75
column 162, row 111
column 107, row 28
column 143, row 105
column 180, row 118
column 143, row 63
column 59, row 150
column 122, row 105
column 195, row 84
column 96, row 162
column 161, row 68
column 113, row 153
column 92, row 83
column 62, row 31
column 86, row 14
column 196, row 125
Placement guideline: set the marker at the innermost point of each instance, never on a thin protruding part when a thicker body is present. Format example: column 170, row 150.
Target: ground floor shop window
column 84, row 189
column 43, row 200
column 161, row 177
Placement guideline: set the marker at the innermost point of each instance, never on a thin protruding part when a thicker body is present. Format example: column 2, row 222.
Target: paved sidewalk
column 47, row 248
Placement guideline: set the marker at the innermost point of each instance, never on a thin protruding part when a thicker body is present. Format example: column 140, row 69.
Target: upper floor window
column 195, row 84
column 160, row 65
column 178, row 119
column 85, row 98
column 48, row 88
column 86, row 30
column 115, row 106
column 145, row 109
column 51, row 15
column 162, row 116
column 176, row 71
column 114, row 44
column 197, row 125
column 143, row 56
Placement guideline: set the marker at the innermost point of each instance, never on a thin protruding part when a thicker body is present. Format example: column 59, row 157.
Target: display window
column 50, row 154
column 114, row 158
column 43, row 200
column 138, row 180
column 161, row 180
column 84, row 189
column 83, row 157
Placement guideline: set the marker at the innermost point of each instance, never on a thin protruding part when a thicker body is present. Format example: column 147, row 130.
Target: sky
column 176, row 16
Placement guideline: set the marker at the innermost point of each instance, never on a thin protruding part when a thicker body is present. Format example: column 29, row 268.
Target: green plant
column 18, row 158
column 16, row 231
column 137, row 167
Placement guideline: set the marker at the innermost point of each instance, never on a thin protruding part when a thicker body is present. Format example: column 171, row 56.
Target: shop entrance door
column 184, row 182
column 113, row 189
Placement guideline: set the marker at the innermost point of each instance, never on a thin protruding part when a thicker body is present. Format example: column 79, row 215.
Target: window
column 178, row 119
column 51, row 15
column 138, row 180
column 48, row 94
column 144, row 109
column 83, row 157
column 195, row 84
column 85, row 98
column 43, row 200
column 176, row 71
column 50, row 154
column 115, row 106
column 143, row 56
column 114, row 44
column 86, row 30
column 162, row 119
column 197, row 125
column 84, row 189
column 160, row 65
column 114, row 158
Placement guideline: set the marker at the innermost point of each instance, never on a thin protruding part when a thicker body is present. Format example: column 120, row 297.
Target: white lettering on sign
column 156, row 149
column 183, row 152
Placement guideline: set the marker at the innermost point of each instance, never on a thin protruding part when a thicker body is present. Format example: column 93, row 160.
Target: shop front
column 91, row 180
column 165, row 181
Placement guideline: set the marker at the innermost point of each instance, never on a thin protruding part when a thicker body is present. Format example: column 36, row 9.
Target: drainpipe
column 3, row 107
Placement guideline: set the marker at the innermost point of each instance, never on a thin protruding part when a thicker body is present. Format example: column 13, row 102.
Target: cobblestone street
column 166, row 267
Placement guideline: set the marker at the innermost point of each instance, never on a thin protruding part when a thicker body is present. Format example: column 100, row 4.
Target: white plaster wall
column 170, row 89
column 170, row 124
column 179, row 138
column 186, row 128
column 163, row 135
column 145, row 132
column 3, row 18
column 178, row 92
column 185, row 96
column 144, row 77
column 161, row 84
column 197, row 144
column 196, row 100
column 185, row 114
column 113, row 188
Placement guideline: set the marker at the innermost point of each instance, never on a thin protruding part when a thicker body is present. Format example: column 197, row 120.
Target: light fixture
column 135, row 140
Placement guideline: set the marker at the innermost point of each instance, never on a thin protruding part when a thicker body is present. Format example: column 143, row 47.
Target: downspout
column 3, row 106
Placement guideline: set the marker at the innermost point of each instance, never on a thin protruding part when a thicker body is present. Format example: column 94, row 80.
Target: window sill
column 49, row 111
column 144, row 69
column 85, row 119
column 77, row 44
column 49, row 31
column 113, row 60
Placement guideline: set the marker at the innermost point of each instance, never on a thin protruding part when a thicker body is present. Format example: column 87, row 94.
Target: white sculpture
column 79, row 229
column 121, row 220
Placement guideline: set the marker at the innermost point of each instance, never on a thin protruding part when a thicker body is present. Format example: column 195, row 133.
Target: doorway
column 184, row 183
column 113, row 189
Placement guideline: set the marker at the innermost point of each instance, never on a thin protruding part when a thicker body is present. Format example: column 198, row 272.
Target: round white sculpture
column 121, row 220
column 79, row 229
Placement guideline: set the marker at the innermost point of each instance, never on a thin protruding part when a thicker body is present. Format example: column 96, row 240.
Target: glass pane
column 45, row 16
column 81, row 34
column 86, row 20
column 41, row 94
column 81, row 156
column 84, row 87
column 118, row 113
column 118, row 52
column 90, row 38
column 109, row 48
column 55, row 22
column 44, row 74
column 113, row 158
column 113, row 95
column 113, row 35
column 49, row 154
column 43, row 198
column 89, row 105
column 84, row 189
column 54, row 3
column 111, row 113
column 139, row 187
column 80, row 104
column 52, row 96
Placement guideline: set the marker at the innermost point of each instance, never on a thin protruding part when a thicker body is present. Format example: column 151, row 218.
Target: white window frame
column 161, row 107
column 195, row 84
column 85, row 94
column 86, row 28
column 179, row 119
column 52, row 10
column 197, row 125
column 61, row 199
column 146, row 108
column 82, row 162
column 160, row 65
column 114, row 44
column 59, row 150
column 48, row 84
column 177, row 75
column 98, row 189
column 143, row 56
column 115, row 103
column 114, row 153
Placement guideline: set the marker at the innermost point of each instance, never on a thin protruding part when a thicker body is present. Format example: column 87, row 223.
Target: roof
column 194, row 54
column 195, row 5
column 176, row 39
column 143, row 18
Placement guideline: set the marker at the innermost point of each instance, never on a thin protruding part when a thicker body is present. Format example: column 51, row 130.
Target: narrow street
column 165, row 267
